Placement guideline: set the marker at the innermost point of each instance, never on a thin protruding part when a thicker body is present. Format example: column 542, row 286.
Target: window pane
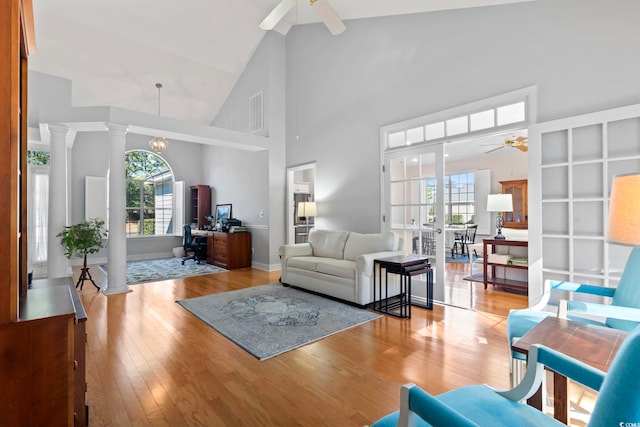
column 415, row 135
column 482, row 120
column 149, row 194
column 434, row 131
column 396, row 139
column 511, row 114
column 457, row 126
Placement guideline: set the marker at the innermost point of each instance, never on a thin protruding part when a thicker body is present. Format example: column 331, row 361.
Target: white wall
column 341, row 89
column 267, row 174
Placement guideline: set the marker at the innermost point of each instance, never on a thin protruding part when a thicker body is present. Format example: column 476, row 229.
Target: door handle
column 439, row 230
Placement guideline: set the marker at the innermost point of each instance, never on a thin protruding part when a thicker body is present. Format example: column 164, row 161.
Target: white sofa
column 337, row 263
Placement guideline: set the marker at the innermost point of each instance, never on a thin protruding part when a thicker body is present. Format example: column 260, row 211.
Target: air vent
column 256, row 114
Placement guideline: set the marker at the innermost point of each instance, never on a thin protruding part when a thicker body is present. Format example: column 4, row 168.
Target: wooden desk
column 227, row 250
column 592, row 344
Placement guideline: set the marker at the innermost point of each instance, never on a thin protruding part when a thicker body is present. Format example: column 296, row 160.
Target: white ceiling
column 115, row 51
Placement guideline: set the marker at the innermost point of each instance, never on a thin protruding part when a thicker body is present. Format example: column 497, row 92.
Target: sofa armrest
column 297, row 249
column 599, row 310
column 364, row 262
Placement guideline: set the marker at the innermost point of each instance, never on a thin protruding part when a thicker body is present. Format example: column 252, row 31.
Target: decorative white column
column 57, row 263
column 117, row 247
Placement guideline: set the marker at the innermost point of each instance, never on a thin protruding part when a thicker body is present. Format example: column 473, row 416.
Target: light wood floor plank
column 152, row 363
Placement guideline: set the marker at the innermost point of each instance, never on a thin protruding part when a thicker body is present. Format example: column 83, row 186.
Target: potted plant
column 81, row 239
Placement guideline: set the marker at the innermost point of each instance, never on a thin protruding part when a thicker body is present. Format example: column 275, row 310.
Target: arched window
column 149, row 192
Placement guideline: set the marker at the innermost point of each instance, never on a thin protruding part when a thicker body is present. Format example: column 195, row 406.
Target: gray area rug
column 271, row 319
column 156, row 270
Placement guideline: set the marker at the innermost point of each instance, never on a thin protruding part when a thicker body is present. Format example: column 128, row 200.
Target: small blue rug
column 269, row 320
column 156, row 270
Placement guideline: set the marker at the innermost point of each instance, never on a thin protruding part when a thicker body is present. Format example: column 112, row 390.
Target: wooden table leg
column 536, row 400
column 560, row 398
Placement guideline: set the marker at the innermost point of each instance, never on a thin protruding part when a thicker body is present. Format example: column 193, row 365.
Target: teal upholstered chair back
column 627, row 293
column 618, row 402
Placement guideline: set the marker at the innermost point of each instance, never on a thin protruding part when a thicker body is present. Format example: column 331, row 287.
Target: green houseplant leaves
column 83, row 238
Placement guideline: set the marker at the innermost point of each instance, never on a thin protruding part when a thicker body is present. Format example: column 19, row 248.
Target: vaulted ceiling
column 115, row 51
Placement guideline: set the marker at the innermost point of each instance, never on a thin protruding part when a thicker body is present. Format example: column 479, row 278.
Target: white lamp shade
column 624, row 210
column 499, row 203
column 307, row 209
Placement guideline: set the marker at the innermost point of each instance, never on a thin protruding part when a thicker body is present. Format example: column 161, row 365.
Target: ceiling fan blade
column 329, row 17
column 276, row 15
column 494, row 149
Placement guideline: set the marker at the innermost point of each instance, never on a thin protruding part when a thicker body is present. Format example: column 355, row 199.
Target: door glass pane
column 397, row 193
column 413, row 167
column 396, row 169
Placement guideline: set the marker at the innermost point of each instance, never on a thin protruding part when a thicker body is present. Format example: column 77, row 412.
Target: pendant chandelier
column 159, row 144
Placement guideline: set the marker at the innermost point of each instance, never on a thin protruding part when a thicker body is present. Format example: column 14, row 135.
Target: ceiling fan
column 519, row 142
column 322, row 8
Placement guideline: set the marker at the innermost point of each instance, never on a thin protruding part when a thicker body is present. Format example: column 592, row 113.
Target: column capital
column 117, row 127
column 57, row 128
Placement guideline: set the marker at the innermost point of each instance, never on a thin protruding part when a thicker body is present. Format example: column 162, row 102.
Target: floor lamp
column 499, row 203
column 624, row 214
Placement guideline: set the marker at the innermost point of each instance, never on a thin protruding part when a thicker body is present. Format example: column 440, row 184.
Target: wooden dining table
column 591, row 344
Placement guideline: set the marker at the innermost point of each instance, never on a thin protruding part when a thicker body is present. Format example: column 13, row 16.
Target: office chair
column 618, row 401
column 196, row 246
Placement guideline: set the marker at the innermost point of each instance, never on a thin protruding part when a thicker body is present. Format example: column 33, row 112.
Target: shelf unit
column 579, row 158
column 200, row 204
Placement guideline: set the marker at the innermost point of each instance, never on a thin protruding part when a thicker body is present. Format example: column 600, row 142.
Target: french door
column 415, row 209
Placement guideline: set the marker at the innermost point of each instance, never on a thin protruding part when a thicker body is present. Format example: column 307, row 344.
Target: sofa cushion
column 358, row 244
column 303, row 262
column 337, row 267
column 328, row 244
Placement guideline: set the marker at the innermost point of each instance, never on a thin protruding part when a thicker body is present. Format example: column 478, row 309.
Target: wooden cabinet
column 200, row 204
column 41, row 329
column 519, row 218
column 229, row 250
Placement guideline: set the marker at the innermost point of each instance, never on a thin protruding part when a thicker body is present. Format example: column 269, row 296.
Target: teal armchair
column 618, row 401
column 623, row 313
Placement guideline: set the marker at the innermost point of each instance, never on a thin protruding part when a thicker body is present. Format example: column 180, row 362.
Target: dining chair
column 617, row 402
column 462, row 239
column 429, row 240
column 459, row 238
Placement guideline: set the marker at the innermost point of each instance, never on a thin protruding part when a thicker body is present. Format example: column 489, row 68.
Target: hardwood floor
column 151, row 362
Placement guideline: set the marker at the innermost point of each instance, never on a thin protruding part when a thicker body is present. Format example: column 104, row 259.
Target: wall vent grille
column 256, row 113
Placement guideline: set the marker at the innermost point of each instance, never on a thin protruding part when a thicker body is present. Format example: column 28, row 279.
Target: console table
column 492, row 279
column 406, row 266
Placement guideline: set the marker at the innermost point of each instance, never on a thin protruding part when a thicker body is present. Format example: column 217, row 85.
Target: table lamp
column 624, row 210
column 307, row 209
column 499, row 203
